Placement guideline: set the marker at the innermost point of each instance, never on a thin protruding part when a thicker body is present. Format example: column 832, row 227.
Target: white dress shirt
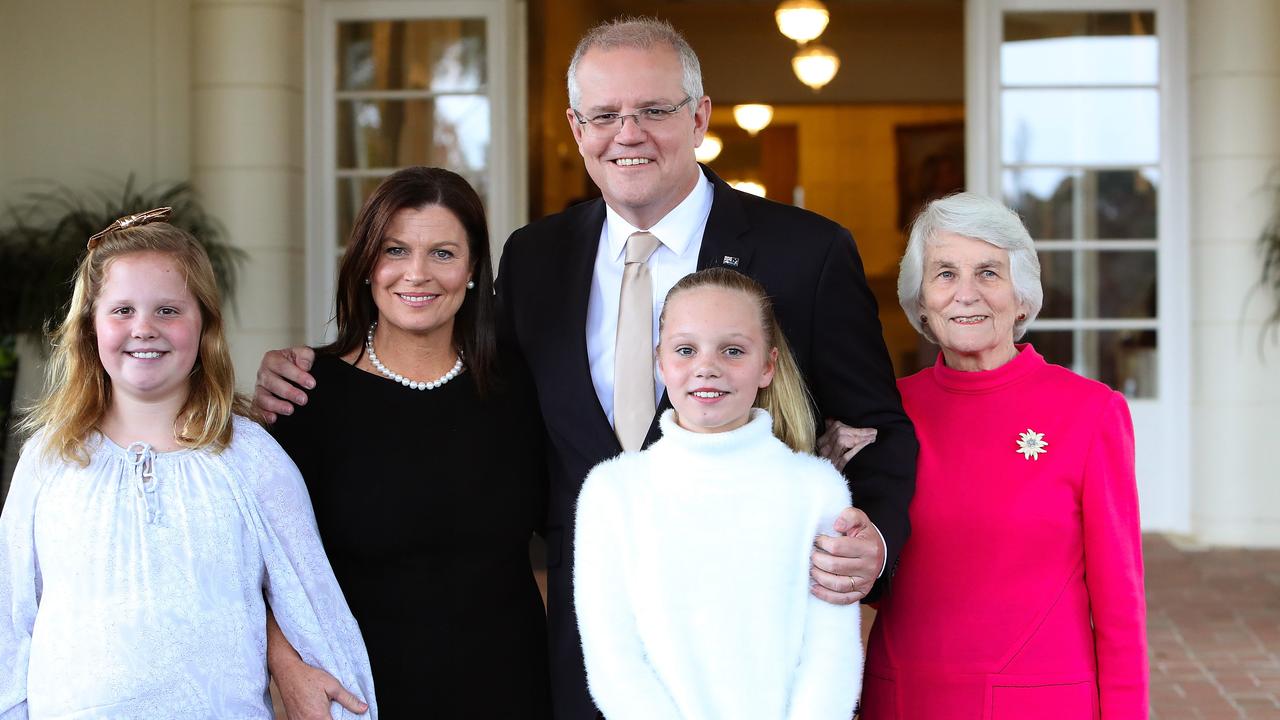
column 679, row 233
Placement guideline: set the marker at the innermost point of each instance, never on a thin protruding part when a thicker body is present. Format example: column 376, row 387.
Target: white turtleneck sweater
column 691, row 581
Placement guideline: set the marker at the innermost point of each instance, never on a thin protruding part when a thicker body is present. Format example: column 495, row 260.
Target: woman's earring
column 366, row 281
column 924, row 320
column 471, row 284
column 1022, row 317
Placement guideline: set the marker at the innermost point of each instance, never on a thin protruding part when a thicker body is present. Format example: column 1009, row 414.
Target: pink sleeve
column 1113, row 565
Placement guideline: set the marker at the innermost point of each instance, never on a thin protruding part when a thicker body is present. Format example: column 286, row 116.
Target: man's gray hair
column 980, row 217
column 642, row 33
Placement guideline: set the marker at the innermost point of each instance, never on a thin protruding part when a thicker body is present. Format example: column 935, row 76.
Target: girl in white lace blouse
column 150, row 523
column 691, row 559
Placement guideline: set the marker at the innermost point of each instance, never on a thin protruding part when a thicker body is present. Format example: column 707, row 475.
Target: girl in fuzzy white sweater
column 691, row 568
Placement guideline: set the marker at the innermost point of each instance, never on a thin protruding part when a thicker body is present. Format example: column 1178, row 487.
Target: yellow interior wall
column 848, row 169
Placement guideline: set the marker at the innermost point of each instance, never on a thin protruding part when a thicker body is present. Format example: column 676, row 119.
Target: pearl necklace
column 414, row 384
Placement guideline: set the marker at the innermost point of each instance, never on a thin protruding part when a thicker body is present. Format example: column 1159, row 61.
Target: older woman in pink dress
column 1020, row 592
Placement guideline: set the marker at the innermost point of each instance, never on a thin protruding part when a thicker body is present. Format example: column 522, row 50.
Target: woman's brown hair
column 474, row 332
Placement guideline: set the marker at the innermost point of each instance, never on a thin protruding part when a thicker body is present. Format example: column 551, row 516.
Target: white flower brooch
column 1031, row 444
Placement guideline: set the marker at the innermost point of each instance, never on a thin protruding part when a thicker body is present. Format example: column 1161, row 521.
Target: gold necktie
column 633, row 389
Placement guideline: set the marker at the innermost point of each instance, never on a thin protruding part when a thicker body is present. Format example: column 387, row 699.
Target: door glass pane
column 1113, row 204
column 1043, row 197
column 1057, row 346
column 450, row 131
column 351, row 196
column 1123, row 283
column 1121, row 203
column 1052, row 48
column 435, row 55
column 1126, row 360
column 1056, row 278
column 1097, row 126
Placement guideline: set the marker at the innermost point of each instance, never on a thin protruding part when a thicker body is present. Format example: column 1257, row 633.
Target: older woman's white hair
column 979, row 217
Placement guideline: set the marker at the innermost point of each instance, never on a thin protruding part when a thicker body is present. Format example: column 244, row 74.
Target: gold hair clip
column 128, row 221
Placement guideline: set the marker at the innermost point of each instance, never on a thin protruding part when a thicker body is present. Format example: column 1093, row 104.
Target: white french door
column 394, row 83
column 1077, row 120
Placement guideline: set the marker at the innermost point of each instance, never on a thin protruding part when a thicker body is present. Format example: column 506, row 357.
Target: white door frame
column 1163, row 424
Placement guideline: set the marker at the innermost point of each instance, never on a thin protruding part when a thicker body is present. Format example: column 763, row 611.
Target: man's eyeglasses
column 611, row 122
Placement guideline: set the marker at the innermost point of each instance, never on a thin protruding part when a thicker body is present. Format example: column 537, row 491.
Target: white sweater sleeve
column 828, row 680
column 19, row 582
column 622, row 682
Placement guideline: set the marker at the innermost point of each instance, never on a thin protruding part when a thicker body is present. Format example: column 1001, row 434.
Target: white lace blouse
column 135, row 587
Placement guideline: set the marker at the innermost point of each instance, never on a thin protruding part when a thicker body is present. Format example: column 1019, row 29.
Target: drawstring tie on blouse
column 143, row 460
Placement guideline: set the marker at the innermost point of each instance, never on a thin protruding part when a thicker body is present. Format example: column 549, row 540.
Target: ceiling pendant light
column 753, row 117
column 709, row 149
column 801, row 20
column 815, row 65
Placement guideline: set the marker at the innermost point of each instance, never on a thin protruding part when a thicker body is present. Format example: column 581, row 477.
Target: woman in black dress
column 425, row 466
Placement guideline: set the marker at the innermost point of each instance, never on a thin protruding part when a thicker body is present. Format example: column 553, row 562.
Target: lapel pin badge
column 730, row 261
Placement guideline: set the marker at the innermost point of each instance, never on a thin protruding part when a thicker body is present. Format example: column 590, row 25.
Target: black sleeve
column 853, row 382
column 518, row 381
column 301, row 434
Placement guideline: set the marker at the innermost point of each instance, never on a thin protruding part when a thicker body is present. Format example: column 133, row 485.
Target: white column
column 247, row 147
column 1235, row 146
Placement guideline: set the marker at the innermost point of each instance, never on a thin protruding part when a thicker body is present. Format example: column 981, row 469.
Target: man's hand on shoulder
column 280, row 377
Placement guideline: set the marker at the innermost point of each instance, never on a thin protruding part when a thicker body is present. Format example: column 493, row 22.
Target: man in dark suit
column 637, row 111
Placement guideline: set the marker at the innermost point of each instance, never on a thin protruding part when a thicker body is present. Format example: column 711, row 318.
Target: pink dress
column 1019, row 594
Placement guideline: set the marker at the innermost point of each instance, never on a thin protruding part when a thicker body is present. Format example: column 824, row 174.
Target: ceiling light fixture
column 753, row 117
column 748, row 186
column 815, row 65
column 801, row 20
column 709, row 149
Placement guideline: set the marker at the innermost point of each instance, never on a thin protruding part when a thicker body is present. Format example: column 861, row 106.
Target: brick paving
column 1213, row 624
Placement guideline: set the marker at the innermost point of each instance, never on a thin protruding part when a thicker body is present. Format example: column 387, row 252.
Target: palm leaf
column 46, row 232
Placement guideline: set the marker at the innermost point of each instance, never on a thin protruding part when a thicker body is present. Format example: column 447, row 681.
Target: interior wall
column 848, row 170
column 557, row 176
column 89, row 92
column 891, row 51
column 92, row 91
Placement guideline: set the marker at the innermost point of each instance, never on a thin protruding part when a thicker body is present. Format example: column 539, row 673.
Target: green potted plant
column 44, row 238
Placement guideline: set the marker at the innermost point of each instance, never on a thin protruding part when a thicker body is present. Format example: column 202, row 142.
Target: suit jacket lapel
column 580, row 258
column 722, row 241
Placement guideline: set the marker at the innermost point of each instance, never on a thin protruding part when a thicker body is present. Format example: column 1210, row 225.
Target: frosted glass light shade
column 815, row 65
column 801, row 20
column 753, row 117
column 709, row 149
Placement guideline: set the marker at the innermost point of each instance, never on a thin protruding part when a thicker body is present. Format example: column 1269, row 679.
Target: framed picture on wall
column 930, row 165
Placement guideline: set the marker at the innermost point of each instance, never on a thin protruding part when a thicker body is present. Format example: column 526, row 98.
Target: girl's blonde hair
column 77, row 388
column 787, row 398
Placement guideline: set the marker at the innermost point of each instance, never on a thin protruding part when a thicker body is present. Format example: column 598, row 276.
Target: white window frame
column 506, row 87
column 1163, row 423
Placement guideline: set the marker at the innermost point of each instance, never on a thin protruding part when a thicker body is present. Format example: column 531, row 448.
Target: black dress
column 426, row 501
